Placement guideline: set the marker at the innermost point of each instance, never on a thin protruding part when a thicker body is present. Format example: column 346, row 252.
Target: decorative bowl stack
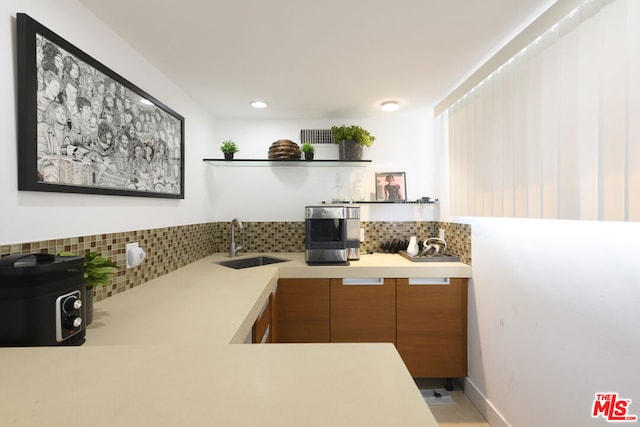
column 284, row 149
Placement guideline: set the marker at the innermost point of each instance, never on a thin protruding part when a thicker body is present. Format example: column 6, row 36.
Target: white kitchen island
column 169, row 353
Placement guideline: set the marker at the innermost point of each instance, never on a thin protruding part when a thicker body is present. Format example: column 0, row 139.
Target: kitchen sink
column 256, row 261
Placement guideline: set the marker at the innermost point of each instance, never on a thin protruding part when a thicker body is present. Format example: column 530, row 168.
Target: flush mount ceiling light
column 259, row 104
column 389, row 106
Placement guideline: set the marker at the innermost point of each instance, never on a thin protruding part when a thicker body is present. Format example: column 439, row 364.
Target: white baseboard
column 483, row 405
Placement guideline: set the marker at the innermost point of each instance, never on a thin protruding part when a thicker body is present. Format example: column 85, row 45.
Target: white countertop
column 163, row 354
column 375, row 265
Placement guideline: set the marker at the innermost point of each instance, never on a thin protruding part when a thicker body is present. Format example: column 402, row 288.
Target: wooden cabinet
column 432, row 327
column 363, row 310
column 262, row 331
column 302, row 311
column 425, row 318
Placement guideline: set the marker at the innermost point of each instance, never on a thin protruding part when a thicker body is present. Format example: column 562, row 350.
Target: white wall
column 32, row 216
column 553, row 318
column 403, row 143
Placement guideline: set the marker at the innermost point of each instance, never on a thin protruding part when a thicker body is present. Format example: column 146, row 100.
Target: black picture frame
column 82, row 128
column 391, row 186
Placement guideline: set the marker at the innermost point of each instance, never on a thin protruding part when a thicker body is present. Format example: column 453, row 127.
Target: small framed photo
column 391, row 186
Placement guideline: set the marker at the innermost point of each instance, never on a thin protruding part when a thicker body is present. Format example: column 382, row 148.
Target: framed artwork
column 82, row 128
column 391, row 186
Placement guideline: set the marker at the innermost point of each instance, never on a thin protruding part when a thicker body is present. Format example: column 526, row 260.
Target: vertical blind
column 555, row 131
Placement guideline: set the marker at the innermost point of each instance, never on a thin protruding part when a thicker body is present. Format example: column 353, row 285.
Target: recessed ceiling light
column 146, row 102
column 259, row 104
column 389, row 106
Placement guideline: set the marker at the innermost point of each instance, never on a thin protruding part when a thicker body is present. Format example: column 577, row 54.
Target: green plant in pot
column 351, row 140
column 97, row 271
column 229, row 147
column 308, row 150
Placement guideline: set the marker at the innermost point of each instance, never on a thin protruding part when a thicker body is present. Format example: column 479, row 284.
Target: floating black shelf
column 266, row 162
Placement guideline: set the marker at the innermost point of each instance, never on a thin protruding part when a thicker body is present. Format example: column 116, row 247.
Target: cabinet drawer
column 261, row 333
column 363, row 310
column 432, row 328
column 303, row 310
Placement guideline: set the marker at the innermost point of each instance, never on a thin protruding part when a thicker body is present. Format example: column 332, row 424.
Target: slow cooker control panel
column 68, row 315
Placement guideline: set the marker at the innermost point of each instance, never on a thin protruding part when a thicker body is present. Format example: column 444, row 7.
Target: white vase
column 412, row 249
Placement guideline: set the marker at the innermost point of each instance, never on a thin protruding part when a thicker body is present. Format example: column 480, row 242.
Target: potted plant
column 97, row 270
column 308, row 150
column 351, row 140
column 229, row 147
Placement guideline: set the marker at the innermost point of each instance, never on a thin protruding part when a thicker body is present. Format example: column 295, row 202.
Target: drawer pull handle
column 363, row 281
column 430, row 281
column 265, row 337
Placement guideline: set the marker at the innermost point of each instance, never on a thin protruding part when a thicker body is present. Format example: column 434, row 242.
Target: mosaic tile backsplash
column 170, row 248
column 167, row 249
column 289, row 236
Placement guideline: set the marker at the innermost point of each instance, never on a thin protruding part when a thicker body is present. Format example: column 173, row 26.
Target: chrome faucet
column 236, row 248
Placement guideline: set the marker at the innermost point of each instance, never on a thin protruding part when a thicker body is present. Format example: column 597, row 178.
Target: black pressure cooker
column 41, row 300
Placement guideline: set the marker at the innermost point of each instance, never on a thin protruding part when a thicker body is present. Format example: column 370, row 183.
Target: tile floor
column 460, row 414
